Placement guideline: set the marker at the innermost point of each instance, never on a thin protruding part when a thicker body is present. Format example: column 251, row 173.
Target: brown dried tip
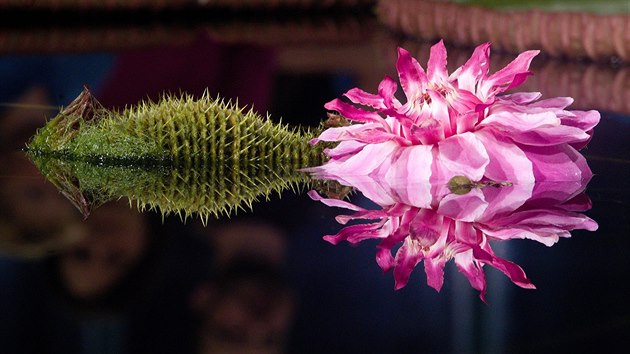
column 335, row 121
column 84, row 106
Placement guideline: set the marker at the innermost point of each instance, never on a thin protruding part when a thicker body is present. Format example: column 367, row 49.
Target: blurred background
column 264, row 281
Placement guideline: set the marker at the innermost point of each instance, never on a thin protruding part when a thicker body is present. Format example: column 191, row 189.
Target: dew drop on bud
column 460, row 185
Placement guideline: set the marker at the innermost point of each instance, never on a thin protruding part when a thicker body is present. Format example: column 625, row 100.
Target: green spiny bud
column 178, row 155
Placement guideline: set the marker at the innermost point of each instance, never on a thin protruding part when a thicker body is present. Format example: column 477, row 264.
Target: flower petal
column 469, row 266
column 461, row 155
column 412, row 77
column 353, row 113
column 468, row 207
column 333, row 202
column 359, row 96
column 474, row 69
column 513, row 271
column 409, row 176
column 510, row 76
column 407, row 257
column 436, row 67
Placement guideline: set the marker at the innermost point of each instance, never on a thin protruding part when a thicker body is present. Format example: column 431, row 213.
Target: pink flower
column 515, row 153
column 453, row 125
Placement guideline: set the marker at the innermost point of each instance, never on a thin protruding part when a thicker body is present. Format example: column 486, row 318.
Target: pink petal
column 434, row 268
column 543, row 225
column 513, row 271
column 353, row 113
column 475, row 68
column 384, row 259
column 510, row 76
column 429, row 132
column 472, row 270
column 427, row 227
column 364, row 162
column 386, row 89
column 436, row 67
column 357, row 233
column 359, row 96
column 560, row 163
column 463, row 102
column 407, row 257
column 412, row 77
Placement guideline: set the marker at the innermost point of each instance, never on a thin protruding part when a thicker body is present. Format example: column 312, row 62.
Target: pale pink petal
column 555, row 102
column 560, row 163
column 461, row 155
column 365, row 161
column 344, row 148
column 333, row 202
column 508, row 163
column 344, row 133
column 553, row 136
column 468, row 207
column 520, row 98
column 584, row 120
column 545, row 226
column 409, row 176
column 439, row 111
column 517, row 122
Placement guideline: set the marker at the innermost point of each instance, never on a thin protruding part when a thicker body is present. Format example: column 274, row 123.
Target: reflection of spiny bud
column 226, row 157
column 460, row 185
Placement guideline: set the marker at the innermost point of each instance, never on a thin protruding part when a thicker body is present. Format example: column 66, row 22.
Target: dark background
column 290, row 68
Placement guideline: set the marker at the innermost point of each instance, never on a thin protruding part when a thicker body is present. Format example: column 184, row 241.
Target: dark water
column 124, row 281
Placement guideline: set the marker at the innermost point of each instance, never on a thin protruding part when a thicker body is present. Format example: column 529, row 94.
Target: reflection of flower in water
column 457, row 164
column 429, row 236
